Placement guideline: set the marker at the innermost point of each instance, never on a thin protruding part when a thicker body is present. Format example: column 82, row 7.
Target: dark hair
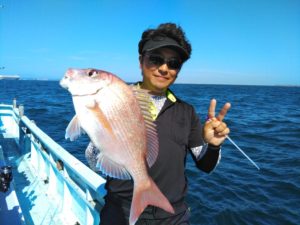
column 170, row 30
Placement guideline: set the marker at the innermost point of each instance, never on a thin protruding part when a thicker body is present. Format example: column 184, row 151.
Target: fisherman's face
column 159, row 69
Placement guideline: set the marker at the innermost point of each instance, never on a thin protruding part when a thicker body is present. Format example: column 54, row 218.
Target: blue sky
column 234, row 41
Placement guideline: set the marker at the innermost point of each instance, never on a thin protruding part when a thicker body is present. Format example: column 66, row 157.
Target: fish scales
column 126, row 128
column 109, row 102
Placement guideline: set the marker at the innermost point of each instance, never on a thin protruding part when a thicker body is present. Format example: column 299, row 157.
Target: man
column 162, row 53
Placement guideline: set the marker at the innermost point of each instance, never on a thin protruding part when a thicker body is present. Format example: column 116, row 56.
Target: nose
column 163, row 69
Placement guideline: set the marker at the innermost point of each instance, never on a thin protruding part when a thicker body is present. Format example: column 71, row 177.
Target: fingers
column 212, row 109
column 222, row 129
column 224, row 132
column 223, row 111
column 215, row 131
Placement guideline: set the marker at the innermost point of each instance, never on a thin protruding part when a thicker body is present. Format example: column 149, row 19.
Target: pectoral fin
column 74, row 129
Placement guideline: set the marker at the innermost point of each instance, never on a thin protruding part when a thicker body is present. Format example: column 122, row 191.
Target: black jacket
column 179, row 129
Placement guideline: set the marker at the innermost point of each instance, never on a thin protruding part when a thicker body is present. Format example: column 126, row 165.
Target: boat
column 41, row 182
column 9, row 77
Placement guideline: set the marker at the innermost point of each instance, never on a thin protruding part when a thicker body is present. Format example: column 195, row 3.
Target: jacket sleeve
column 209, row 159
column 206, row 156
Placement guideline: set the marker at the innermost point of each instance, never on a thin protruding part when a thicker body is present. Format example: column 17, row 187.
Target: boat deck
column 30, row 190
column 10, row 211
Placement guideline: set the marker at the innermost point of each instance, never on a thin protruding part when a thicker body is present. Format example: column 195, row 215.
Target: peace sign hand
column 215, row 130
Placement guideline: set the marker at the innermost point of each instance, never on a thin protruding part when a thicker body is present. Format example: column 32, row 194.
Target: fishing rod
column 235, row 145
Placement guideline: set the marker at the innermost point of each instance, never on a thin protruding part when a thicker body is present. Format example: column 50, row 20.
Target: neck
column 153, row 91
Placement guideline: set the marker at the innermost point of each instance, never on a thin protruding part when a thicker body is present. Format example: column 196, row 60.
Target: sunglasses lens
column 174, row 64
column 156, row 60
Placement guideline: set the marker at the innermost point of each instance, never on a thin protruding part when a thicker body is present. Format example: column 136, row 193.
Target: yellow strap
column 170, row 96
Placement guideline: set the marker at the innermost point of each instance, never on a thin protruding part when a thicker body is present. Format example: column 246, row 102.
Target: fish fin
column 145, row 104
column 152, row 145
column 144, row 196
column 110, row 168
column 74, row 129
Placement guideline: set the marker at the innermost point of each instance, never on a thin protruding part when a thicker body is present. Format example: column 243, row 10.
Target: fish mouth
column 63, row 83
column 87, row 94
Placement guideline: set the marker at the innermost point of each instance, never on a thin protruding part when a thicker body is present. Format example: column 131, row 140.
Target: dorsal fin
column 145, row 103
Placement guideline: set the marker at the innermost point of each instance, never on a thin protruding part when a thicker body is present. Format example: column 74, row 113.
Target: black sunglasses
column 157, row 60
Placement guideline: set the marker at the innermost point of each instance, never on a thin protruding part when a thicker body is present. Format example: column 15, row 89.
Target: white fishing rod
column 232, row 142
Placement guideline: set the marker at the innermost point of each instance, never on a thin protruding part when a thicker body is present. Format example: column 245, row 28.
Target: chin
column 160, row 88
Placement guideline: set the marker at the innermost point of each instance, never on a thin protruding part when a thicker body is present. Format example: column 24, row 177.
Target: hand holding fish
column 215, row 130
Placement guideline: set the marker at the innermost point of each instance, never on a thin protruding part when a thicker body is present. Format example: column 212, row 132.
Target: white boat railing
column 79, row 190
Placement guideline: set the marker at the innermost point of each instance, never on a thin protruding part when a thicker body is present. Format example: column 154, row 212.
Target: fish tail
column 144, row 196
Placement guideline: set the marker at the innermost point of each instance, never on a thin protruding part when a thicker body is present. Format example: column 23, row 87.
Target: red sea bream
column 114, row 115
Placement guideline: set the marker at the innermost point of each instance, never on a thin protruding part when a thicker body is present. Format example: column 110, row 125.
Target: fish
column 116, row 118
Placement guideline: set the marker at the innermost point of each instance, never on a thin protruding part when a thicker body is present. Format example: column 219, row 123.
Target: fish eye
column 92, row 73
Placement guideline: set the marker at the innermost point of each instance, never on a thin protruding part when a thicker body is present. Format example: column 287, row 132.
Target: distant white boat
column 9, row 77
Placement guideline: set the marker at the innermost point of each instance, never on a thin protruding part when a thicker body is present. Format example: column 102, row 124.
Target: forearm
column 207, row 157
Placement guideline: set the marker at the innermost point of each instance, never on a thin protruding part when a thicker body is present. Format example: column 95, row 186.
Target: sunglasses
column 157, row 60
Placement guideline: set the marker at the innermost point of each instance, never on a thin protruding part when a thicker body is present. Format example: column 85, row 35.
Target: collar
column 169, row 93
